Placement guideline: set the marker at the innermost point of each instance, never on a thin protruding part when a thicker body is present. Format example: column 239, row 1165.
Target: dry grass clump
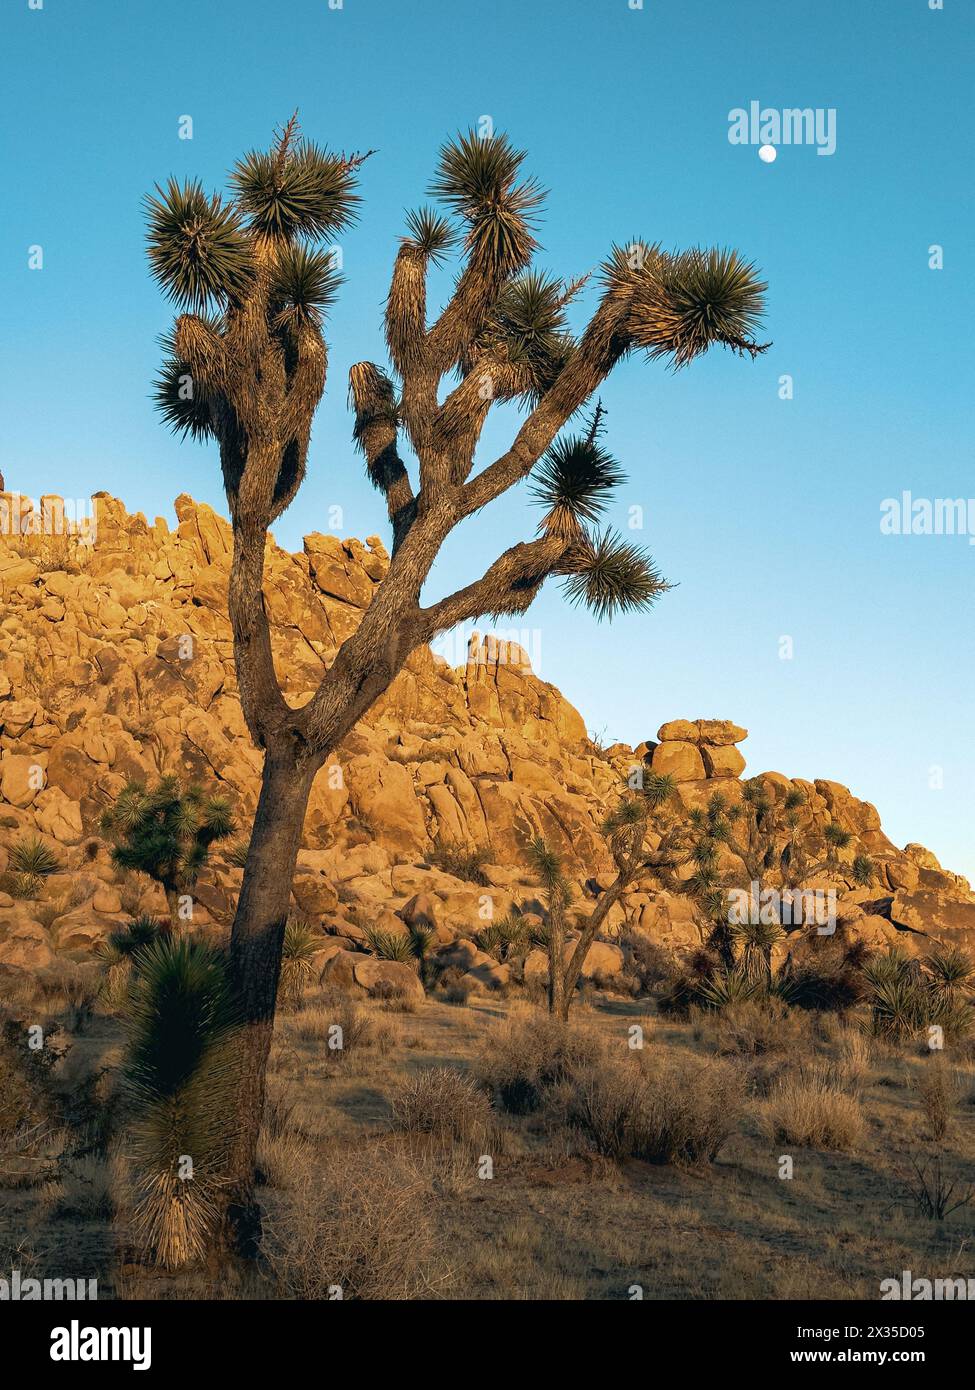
column 31, row 1141
column 813, row 1109
column 526, row 1058
column 446, row 1104
column 939, row 1090
column 335, row 1022
column 681, row 1113
column 394, row 997
column 453, row 986
column 752, row 1028
column 359, row 1227
column 86, row 1189
column 282, row 1158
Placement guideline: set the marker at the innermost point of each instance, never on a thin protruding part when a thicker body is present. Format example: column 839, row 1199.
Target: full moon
column 767, row 153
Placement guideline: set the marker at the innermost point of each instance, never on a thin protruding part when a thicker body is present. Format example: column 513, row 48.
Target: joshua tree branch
column 371, row 393
column 509, row 586
column 602, row 345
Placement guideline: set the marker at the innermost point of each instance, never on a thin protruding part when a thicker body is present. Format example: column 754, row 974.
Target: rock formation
column 117, row 663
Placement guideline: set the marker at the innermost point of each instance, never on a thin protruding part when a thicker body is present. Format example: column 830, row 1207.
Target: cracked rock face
column 117, row 663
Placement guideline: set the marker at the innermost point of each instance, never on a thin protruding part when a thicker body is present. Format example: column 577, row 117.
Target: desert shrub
column 362, row 1225
column 30, row 1139
column 811, row 1109
column 77, row 987
column 454, row 986
column 181, row 1077
column 939, row 1091
column 606, row 1103
column 647, row 964
column 446, row 1104
column 47, row 913
column 828, row 981
column 394, row 996
column 693, row 1109
column 935, row 1193
column 682, row 1113
column 282, row 1159
column 463, row 862
column 337, row 1022
column 752, row 1027
column 525, row 1058
column 85, row 1189
column 855, row 1060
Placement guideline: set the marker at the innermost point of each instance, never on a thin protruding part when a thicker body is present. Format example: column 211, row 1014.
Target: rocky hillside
column 117, row 663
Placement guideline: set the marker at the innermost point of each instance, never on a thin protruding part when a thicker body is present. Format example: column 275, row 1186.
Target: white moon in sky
column 767, row 153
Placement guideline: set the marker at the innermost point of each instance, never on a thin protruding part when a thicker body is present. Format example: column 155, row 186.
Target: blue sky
column 764, row 512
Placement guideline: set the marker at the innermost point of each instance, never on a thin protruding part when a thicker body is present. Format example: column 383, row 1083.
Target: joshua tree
column 766, row 837
column 625, row 829
column 246, row 367
column 166, row 832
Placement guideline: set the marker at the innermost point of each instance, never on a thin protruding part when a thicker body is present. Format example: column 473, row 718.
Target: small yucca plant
column 726, row 987
column 181, row 1078
column 143, row 931
column 389, row 945
column 32, row 857
column 952, row 971
column 757, row 941
column 301, row 944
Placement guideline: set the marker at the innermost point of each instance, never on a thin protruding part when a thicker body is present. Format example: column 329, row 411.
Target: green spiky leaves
column 682, row 305
column 295, row 190
column 181, row 1073
column 526, row 341
column 304, row 284
column 610, row 576
column 198, row 249
column 180, row 397
column 431, row 234
column 476, row 178
column 573, row 482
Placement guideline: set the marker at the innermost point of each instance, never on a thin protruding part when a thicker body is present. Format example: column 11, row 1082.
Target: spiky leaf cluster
column 477, row 178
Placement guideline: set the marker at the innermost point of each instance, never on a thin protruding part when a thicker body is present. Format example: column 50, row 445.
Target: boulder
column 679, row 760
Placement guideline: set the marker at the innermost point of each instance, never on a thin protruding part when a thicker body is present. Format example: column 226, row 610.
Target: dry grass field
column 476, row 1150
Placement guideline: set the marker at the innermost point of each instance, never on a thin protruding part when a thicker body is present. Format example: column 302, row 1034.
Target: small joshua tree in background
column 765, row 837
column 166, row 832
column 625, row 830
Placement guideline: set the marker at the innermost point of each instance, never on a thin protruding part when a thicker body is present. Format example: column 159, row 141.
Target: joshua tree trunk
column 556, row 965
column 172, row 900
column 255, row 950
column 573, row 969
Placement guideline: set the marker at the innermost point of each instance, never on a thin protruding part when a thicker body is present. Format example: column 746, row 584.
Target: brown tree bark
column 255, row 957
